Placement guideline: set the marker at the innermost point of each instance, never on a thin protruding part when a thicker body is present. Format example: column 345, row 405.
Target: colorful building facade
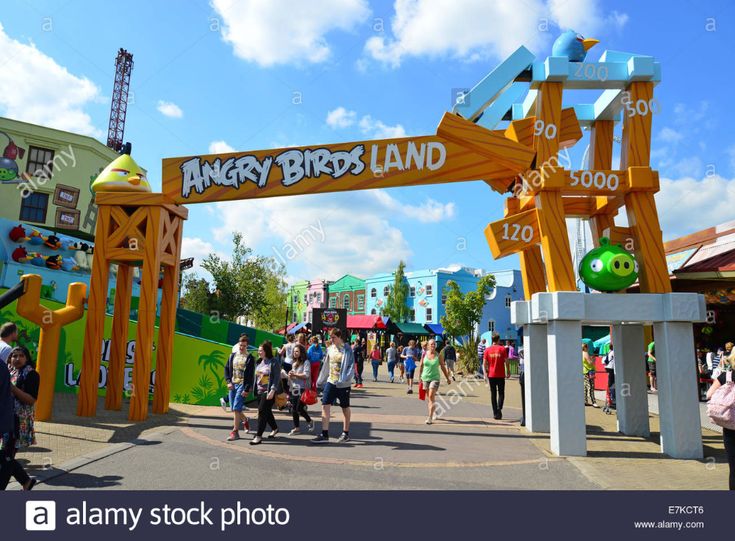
column 496, row 313
column 317, row 296
column 426, row 300
column 297, row 301
column 348, row 292
column 45, row 177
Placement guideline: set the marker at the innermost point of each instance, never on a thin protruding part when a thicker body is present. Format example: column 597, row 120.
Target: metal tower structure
column 119, row 106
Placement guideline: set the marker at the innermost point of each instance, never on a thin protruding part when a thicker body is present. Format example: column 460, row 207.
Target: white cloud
column 332, row 238
column 35, row 88
column 340, row 118
column 687, row 205
column 220, row 147
column 669, row 135
column 329, row 237
column 427, row 212
column 169, row 109
column 377, row 129
column 199, row 249
column 270, row 32
column 370, row 127
column 585, row 16
column 477, row 29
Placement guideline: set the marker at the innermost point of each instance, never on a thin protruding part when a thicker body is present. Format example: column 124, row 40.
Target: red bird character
column 18, row 234
column 20, row 255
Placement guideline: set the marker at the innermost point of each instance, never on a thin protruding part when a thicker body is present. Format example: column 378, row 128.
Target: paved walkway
column 391, row 447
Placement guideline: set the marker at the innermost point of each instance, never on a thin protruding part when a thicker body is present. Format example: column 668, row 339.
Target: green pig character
column 8, row 169
column 608, row 267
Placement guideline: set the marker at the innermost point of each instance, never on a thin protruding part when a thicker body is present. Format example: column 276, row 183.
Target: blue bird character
column 572, row 45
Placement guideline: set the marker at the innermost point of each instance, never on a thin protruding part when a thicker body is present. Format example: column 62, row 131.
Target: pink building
column 316, row 296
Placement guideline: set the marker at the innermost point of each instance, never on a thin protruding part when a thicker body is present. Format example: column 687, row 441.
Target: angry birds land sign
column 608, row 267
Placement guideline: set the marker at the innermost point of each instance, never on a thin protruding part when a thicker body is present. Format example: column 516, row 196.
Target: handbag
column 422, row 391
column 721, row 407
column 309, row 397
column 281, row 400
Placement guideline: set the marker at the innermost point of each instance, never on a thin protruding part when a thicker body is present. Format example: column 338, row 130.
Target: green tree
column 198, row 294
column 245, row 285
column 463, row 313
column 395, row 305
column 271, row 314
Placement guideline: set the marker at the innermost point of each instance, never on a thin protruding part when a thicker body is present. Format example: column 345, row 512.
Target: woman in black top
column 26, row 381
column 9, row 425
column 728, row 436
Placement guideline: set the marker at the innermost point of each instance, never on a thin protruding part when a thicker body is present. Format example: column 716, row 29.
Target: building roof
column 706, row 254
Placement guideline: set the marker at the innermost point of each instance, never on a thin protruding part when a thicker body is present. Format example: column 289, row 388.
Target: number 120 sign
column 513, row 234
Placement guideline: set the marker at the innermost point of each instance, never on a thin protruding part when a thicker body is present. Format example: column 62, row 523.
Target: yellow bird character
column 121, row 175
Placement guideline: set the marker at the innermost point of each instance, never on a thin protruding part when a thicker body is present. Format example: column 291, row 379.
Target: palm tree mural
column 206, row 392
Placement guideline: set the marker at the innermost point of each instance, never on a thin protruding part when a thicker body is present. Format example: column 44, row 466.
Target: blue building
column 426, row 299
column 496, row 314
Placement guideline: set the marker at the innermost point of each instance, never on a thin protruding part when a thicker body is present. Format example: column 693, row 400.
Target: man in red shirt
column 494, row 360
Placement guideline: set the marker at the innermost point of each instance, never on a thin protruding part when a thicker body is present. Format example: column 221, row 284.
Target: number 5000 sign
column 598, row 179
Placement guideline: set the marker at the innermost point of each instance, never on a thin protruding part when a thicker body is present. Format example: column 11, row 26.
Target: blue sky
column 248, row 75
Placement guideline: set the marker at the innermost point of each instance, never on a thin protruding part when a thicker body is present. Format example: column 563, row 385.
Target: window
column 304, row 316
column 346, row 302
column 305, row 298
column 361, row 302
column 40, row 162
column 319, row 297
column 429, row 291
column 508, row 300
column 429, row 314
column 412, row 292
column 373, row 292
column 444, row 298
column 491, row 325
column 412, row 314
column 373, row 312
column 333, row 302
column 295, row 299
column 33, row 208
column 386, row 291
column 293, row 318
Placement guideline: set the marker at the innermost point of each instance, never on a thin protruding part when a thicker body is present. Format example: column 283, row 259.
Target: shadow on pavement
column 81, row 480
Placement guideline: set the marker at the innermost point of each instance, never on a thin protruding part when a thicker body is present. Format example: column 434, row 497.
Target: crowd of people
column 291, row 377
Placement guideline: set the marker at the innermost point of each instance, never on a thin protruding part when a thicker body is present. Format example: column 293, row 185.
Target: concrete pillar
column 630, row 380
column 681, row 430
column 536, row 367
column 566, row 391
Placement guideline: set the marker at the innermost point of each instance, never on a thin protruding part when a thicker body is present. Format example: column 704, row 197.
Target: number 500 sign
column 513, row 234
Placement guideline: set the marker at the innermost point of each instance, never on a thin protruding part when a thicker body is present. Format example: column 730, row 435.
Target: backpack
column 721, row 407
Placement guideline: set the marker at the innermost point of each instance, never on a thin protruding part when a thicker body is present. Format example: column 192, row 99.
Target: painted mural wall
column 45, row 176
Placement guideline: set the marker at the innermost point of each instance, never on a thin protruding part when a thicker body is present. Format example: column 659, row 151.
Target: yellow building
column 45, row 176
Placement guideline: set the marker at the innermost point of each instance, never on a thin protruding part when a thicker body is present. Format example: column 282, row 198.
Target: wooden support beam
column 523, row 130
column 532, row 270
column 165, row 353
column 641, row 206
column 552, row 225
column 149, row 272
column 93, row 334
column 501, row 150
column 119, row 338
column 620, row 235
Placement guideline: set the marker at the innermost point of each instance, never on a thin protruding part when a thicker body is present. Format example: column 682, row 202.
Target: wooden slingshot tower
column 527, row 159
column 133, row 229
column 534, row 226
